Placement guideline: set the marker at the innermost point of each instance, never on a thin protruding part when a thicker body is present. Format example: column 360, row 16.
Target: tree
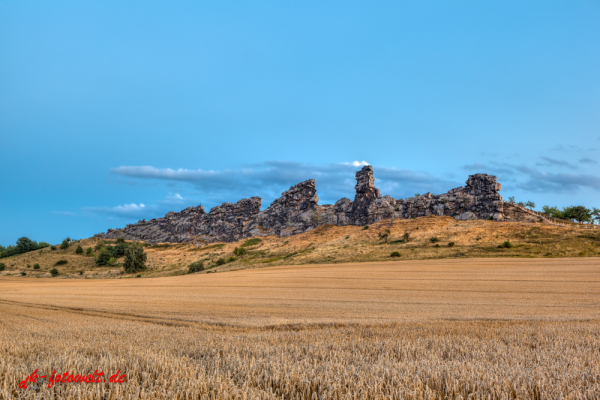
column 511, row 199
column 89, row 251
column 79, row 249
column 54, row 272
column 578, row 213
column 240, row 251
column 596, row 214
column 134, row 259
column 64, row 245
column 530, row 204
column 25, row 244
column 196, row 266
column 384, row 235
column 103, row 257
column 553, row 212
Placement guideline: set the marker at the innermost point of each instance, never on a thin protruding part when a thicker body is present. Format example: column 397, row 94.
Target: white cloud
column 534, row 180
column 356, row 163
column 142, row 210
column 269, row 179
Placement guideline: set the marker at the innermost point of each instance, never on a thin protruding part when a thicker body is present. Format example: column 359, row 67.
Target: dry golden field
column 424, row 329
column 335, row 244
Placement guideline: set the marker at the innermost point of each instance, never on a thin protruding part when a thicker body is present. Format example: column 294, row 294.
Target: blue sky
column 115, row 111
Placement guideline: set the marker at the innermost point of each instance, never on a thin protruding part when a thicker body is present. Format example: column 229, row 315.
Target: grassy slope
column 334, row 244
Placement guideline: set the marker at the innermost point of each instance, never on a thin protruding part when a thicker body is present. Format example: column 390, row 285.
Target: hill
column 423, row 238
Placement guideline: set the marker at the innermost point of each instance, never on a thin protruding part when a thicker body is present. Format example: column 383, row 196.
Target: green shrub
column 365, row 227
column 196, row 266
column 28, row 266
column 251, row 242
column 395, row 254
column 89, row 251
column 64, row 245
column 240, row 251
column 434, row 239
column 52, row 247
column 112, row 261
column 384, row 235
column 490, row 218
column 138, row 276
column 54, row 272
column 36, row 266
column 103, row 257
column 134, row 259
column 231, row 259
column 2, row 266
column 450, row 244
column 119, row 249
column 120, row 240
column 60, row 262
column 220, row 261
column 23, row 273
column 506, row 244
column 80, row 272
column 79, row 249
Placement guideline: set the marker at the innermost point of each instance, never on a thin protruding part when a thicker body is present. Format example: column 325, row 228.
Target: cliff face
column 298, row 210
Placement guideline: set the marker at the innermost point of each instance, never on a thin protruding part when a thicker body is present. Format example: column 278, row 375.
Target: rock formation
column 298, row 210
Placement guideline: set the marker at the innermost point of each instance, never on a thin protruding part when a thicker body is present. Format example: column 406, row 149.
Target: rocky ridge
column 298, row 211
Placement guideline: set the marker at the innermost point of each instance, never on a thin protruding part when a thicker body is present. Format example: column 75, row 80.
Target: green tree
column 89, row 251
column 530, row 204
column 2, row 266
column 134, row 259
column 553, row 212
column 596, row 214
column 196, row 266
column 578, row 213
column 384, row 235
column 103, row 257
column 25, row 244
column 511, row 199
column 54, row 272
column 240, row 251
column 64, row 245
column 79, row 249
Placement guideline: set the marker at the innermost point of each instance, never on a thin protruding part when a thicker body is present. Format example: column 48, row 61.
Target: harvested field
column 484, row 328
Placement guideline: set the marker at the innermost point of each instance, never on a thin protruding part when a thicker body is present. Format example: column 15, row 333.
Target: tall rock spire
column 366, row 194
column 365, row 185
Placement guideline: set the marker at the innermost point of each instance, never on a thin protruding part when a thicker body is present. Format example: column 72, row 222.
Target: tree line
column 580, row 214
column 23, row 245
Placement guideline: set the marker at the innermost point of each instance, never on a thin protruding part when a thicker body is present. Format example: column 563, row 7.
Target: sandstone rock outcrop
column 298, row 210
